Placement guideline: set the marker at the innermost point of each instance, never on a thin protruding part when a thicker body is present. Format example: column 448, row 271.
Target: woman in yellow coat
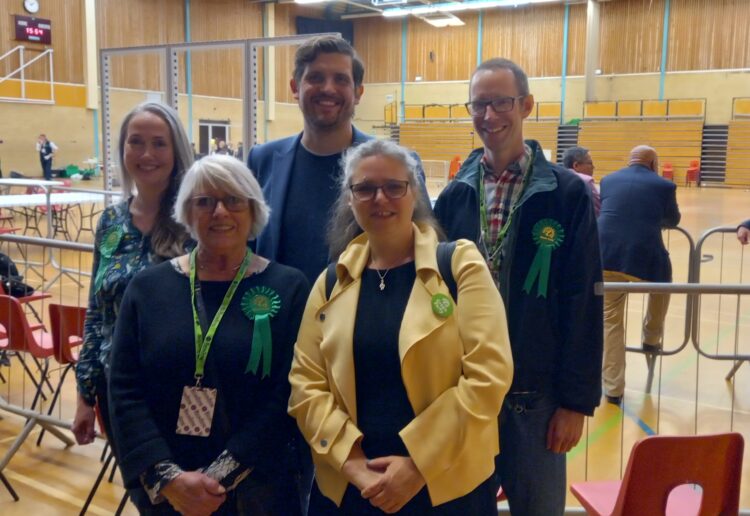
column 395, row 387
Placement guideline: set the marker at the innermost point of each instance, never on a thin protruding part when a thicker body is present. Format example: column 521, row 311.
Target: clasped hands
column 387, row 482
column 193, row 493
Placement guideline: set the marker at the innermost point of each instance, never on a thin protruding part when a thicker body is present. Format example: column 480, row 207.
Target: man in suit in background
column 636, row 205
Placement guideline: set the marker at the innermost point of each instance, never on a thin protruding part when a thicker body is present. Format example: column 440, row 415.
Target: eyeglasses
column 392, row 189
column 499, row 104
column 206, row 203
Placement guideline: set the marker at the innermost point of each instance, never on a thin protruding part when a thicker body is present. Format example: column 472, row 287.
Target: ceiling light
column 459, row 6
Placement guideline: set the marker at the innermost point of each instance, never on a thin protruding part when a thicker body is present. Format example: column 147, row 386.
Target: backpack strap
column 330, row 279
column 444, row 257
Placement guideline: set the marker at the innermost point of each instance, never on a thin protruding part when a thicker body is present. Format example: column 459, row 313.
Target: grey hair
column 500, row 63
column 167, row 238
column 227, row 174
column 574, row 155
column 343, row 226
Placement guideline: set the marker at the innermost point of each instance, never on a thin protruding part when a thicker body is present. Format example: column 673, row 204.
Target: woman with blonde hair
column 396, row 385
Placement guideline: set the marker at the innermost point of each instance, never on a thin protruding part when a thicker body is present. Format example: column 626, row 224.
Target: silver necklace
column 382, row 278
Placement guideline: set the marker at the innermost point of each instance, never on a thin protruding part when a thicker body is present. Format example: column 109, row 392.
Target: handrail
column 26, row 65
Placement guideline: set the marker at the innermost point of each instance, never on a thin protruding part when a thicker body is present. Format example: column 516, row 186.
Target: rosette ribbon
column 259, row 304
column 548, row 235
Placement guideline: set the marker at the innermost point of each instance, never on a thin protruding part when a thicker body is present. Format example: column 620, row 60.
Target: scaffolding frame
column 171, row 70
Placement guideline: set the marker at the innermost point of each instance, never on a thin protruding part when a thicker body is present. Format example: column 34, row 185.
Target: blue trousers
column 532, row 476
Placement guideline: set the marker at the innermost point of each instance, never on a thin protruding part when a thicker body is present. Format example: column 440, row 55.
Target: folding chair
column 111, row 459
column 21, row 339
column 659, row 475
column 66, row 325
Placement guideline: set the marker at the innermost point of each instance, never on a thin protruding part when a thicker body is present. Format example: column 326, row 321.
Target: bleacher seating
column 610, row 143
column 444, row 140
column 738, row 154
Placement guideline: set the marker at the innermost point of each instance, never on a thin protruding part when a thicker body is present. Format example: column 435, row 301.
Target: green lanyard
column 203, row 344
column 492, row 251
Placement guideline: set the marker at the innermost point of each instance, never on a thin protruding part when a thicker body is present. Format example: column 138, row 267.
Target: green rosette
column 548, row 235
column 107, row 248
column 259, row 304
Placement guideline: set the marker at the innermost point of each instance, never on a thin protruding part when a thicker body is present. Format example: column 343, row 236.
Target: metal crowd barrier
column 37, row 388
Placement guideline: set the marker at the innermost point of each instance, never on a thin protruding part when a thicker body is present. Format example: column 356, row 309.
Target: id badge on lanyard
column 198, row 403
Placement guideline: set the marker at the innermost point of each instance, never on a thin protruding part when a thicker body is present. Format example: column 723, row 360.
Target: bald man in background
column 636, row 205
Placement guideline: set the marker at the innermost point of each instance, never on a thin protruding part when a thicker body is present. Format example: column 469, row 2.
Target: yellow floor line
column 54, row 493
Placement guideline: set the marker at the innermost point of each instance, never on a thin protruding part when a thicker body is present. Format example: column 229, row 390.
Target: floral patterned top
column 120, row 252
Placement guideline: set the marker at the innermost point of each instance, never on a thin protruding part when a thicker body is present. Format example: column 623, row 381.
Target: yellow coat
column 456, row 371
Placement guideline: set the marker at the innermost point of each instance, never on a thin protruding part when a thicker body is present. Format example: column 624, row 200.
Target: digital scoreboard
column 32, row 29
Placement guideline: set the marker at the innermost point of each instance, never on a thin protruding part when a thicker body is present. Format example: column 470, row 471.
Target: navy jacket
column 745, row 224
column 272, row 164
column 556, row 340
column 636, row 205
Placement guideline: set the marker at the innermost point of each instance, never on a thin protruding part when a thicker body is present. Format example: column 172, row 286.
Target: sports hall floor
column 689, row 393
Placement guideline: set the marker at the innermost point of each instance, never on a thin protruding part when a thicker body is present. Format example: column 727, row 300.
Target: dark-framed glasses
column 499, row 104
column 366, row 191
column 208, row 203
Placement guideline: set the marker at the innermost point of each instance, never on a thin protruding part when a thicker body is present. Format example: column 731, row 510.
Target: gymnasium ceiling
column 430, row 10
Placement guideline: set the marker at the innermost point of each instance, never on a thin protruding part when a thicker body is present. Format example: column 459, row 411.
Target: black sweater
column 153, row 359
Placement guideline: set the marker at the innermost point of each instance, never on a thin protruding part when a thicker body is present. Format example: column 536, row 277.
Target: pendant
column 382, row 284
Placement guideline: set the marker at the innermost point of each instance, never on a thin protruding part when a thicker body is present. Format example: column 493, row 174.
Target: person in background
column 578, row 160
column 743, row 232
column 153, row 152
column 46, row 150
column 395, row 385
column 636, row 205
column 535, row 224
column 214, row 328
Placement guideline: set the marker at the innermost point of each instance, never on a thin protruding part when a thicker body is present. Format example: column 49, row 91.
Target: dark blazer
column 272, row 164
column 636, row 205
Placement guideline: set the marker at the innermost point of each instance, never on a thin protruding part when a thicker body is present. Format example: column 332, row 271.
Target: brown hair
column 309, row 51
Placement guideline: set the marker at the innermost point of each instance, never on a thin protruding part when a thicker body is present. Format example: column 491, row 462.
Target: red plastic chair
column 21, row 339
column 693, row 173
column 667, row 171
column 658, row 475
column 26, row 300
column 454, row 167
column 66, row 325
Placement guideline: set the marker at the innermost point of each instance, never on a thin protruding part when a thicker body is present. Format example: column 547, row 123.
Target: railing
column 21, row 71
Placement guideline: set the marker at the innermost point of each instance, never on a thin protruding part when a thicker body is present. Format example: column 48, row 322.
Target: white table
column 40, row 199
column 49, row 199
column 29, row 182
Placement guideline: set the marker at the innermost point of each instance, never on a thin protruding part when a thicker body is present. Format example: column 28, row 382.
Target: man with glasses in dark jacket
column 535, row 223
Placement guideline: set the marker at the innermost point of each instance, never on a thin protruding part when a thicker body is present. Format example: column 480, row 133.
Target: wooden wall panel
column 137, row 23
column 630, row 35
column 378, row 43
column 442, row 54
column 218, row 73
column 286, row 15
column 709, row 34
column 532, row 37
column 577, row 40
column 67, row 40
